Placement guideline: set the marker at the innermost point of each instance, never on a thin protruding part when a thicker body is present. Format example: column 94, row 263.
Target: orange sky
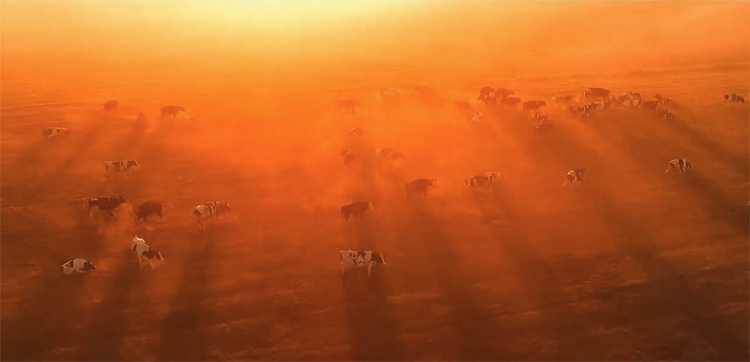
column 475, row 37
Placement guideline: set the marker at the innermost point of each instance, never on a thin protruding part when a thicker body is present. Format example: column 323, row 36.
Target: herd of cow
column 108, row 206
column 599, row 100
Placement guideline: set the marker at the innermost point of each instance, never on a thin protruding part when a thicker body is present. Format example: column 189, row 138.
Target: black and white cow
column 143, row 252
column 389, row 154
column 148, row 208
column 419, row 186
column 574, row 175
column 171, row 111
column 78, row 266
column 111, row 105
column 356, row 209
column 360, row 259
column 54, row 132
column 476, row 117
column 481, row 181
column 210, row 210
column 347, row 105
column 104, row 204
column 679, row 164
column 120, row 166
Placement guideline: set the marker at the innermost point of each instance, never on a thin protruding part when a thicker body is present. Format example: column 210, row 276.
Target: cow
column 479, row 181
column 667, row 116
column 78, row 266
column 356, row 259
column 649, row 106
column 581, row 111
column 533, row 105
column 542, row 128
column 171, row 111
column 484, row 93
column 476, row 117
column 356, row 131
column 541, row 117
column 54, row 132
column 210, row 210
column 111, row 105
column 143, row 252
column 108, row 204
column 388, row 154
column 511, row 102
column 573, row 176
column 562, row 99
column 357, row 209
column 679, row 164
column 504, row 93
column 148, row 208
column 419, row 186
column 347, row 105
column 734, row 98
column 596, row 93
column 120, row 166
column 349, row 157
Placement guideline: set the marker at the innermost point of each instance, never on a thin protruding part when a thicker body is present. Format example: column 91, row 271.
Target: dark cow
column 419, row 186
column 533, row 105
column 504, row 93
column 357, row 209
column 511, row 102
column 484, row 92
column 595, row 93
column 108, row 204
column 148, row 208
column 111, row 105
column 649, row 106
column 171, row 111
column 347, row 105
column 120, row 166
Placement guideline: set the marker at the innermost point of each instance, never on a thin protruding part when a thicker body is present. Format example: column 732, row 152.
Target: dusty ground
column 634, row 264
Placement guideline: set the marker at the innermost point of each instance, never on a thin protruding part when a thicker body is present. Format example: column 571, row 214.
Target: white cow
column 78, row 266
column 358, row 259
column 143, row 252
column 54, row 131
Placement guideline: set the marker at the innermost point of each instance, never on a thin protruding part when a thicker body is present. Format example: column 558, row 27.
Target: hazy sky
column 505, row 37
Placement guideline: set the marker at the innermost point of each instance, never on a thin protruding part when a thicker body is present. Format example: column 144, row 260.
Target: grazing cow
column 54, row 131
column 480, row 181
column 210, row 210
column 419, row 186
column 347, row 105
column 389, row 154
column 78, row 266
column 108, row 204
column 596, row 93
column 357, row 209
column 533, row 105
column 120, row 166
column 356, row 259
column 143, row 252
column 679, row 164
column 511, row 102
column 356, row 131
column 111, row 105
column 171, row 111
column 573, row 176
column 649, row 106
column 148, row 208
